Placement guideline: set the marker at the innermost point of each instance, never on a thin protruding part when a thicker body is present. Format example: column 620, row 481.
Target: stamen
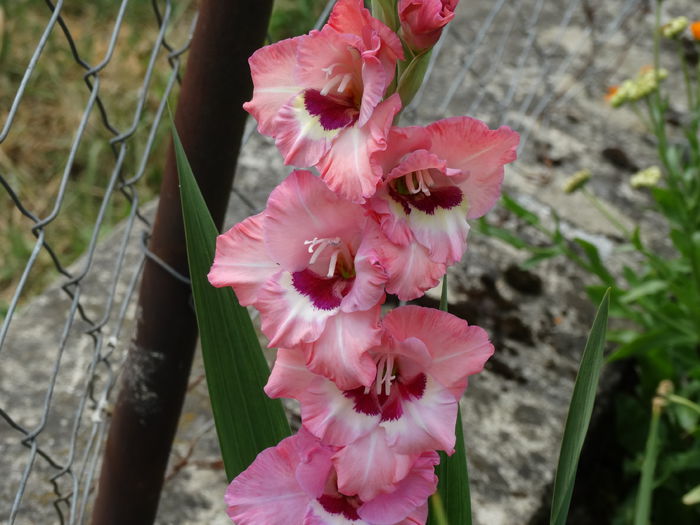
column 422, row 178
column 333, row 262
column 411, row 184
column 347, row 77
column 380, row 375
column 389, row 376
column 330, row 85
column 317, row 246
column 329, row 70
column 385, row 368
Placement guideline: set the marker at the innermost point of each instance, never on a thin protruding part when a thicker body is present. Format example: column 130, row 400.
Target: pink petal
column 391, row 216
column 315, row 463
column 340, row 353
column 443, row 232
column 458, row 350
column 327, row 53
column 410, row 270
column 272, row 68
column 368, row 467
column 241, row 260
column 480, row 153
column 422, row 20
column 299, row 135
column 408, row 500
column 330, row 415
column 419, row 159
column 368, row 288
column 375, row 81
column 267, row 491
column 426, row 423
column 302, row 208
column 288, row 317
column 347, row 166
column 289, row 377
column 350, row 16
column 400, row 142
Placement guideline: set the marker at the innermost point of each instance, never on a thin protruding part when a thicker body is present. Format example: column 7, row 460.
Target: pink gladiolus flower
column 436, row 178
column 295, row 483
column 320, row 97
column 422, row 21
column 309, row 264
column 421, row 366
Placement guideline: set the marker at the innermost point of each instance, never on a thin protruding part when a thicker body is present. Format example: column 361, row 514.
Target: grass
column 34, row 155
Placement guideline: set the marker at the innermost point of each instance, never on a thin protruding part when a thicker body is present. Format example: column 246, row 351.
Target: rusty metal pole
column 210, row 121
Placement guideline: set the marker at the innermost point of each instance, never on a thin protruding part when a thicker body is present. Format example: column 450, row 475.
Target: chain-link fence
column 57, row 374
column 522, row 62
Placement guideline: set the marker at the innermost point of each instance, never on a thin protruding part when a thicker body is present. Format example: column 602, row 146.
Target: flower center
column 318, row 246
column 419, row 190
column 385, row 375
column 417, row 182
column 330, row 274
column 335, row 502
column 383, row 400
column 333, row 111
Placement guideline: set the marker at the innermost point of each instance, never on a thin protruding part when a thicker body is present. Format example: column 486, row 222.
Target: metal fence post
column 210, row 121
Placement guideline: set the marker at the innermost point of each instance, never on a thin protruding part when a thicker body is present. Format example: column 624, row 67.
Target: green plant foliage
column 454, row 500
column 655, row 301
column 247, row 421
column 579, row 415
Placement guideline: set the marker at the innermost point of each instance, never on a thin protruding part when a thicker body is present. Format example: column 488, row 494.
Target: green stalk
column 686, row 76
column 642, row 510
column 606, row 213
column 437, row 510
column 684, row 402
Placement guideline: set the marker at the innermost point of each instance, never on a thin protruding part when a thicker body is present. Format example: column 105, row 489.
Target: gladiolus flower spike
column 388, row 213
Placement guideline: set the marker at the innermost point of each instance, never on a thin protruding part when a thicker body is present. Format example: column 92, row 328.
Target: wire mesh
column 61, row 352
column 81, row 346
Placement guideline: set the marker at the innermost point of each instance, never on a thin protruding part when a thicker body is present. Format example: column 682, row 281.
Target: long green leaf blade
column 579, row 415
column 453, row 485
column 247, row 421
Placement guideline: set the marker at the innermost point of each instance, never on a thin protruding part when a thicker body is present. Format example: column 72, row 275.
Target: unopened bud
column 577, row 181
column 647, row 178
column 674, row 28
column 665, row 388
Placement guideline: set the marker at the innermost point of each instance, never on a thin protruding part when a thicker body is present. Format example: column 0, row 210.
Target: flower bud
column 674, row 28
column 577, row 181
column 646, row 178
column 422, row 21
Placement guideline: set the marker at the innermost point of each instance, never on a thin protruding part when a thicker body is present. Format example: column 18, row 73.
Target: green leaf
column 662, row 337
column 596, row 265
column 453, row 485
column 387, row 12
column 579, row 415
column 644, row 289
column 642, row 509
column 506, row 236
column 512, row 205
column 247, row 421
column 412, row 77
